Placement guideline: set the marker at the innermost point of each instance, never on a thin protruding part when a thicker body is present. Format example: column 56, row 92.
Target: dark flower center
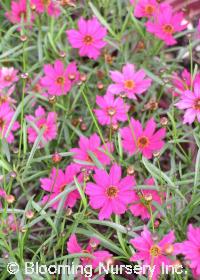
column 1, row 122
column 168, row 28
column 143, row 142
column 155, row 251
column 22, row 14
column 60, row 81
column 129, row 84
column 197, row 104
column 112, row 191
column 88, row 40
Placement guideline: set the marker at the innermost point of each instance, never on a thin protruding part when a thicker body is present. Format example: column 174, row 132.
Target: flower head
column 190, row 100
column 56, row 78
column 50, row 6
column 6, row 115
column 184, row 82
column 8, row 76
column 147, row 141
column 190, row 248
column 166, row 24
column 145, row 8
column 57, row 182
column 18, row 12
column 129, row 81
column 154, row 253
column 45, row 121
column 5, row 96
column 110, row 193
column 97, row 256
column 142, row 201
column 89, row 38
column 91, row 145
column 111, row 110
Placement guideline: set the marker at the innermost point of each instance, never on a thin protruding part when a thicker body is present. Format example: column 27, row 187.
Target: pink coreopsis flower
column 154, row 253
column 8, row 76
column 49, row 6
column 190, row 248
column 97, row 256
column 57, row 182
column 6, row 115
column 129, row 81
column 198, row 29
column 110, row 193
column 72, row 73
column 145, row 8
column 166, row 24
column 5, row 96
column 143, row 199
column 89, row 38
column 111, row 110
column 184, row 82
column 56, row 78
column 147, row 141
column 190, row 100
column 93, row 145
column 18, row 13
column 45, row 121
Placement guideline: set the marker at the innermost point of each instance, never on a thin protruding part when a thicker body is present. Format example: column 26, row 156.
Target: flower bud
column 56, row 158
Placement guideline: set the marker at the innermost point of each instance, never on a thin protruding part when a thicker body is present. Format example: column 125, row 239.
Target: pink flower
column 152, row 252
column 190, row 100
column 111, row 110
column 57, row 182
column 141, row 203
column 166, row 24
column 185, row 82
column 96, row 258
column 2, row 193
column 146, row 141
column 5, row 96
column 56, row 78
column 8, row 76
column 92, row 144
column 88, row 38
column 45, row 121
column 49, row 6
column 145, row 8
column 190, row 248
column 129, row 81
column 110, row 193
column 6, row 115
column 18, row 12
column 72, row 73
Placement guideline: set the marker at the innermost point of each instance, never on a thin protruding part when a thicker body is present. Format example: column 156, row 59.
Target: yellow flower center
column 46, row 2
column 111, row 111
column 149, row 9
column 155, row 251
column 129, row 84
